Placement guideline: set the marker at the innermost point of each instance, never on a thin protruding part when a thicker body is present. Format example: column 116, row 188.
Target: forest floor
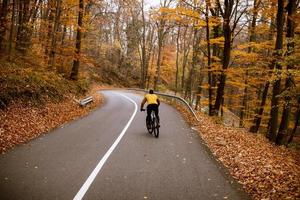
column 264, row 170
column 21, row 122
column 34, row 100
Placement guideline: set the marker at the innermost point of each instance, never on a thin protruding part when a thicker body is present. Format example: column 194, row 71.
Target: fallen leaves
column 266, row 171
column 20, row 123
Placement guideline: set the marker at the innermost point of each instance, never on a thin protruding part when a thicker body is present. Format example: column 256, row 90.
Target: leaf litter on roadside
column 264, row 170
column 21, row 123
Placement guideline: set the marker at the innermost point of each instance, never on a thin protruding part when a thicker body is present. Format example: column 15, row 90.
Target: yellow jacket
column 151, row 98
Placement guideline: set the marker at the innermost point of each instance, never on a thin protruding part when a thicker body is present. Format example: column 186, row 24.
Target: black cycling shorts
column 153, row 107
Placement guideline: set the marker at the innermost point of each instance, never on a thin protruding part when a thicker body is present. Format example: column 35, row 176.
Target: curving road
column 109, row 155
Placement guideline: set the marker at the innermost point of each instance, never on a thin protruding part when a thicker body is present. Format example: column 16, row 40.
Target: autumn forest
column 235, row 56
column 237, row 62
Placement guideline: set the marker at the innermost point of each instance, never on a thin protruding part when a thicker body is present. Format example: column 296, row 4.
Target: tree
column 162, row 30
column 291, row 10
column 177, row 59
column 227, row 10
column 54, row 34
column 252, row 38
column 3, row 22
column 76, row 61
column 143, row 48
column 278, row 67
column 210, row 77
column 258, row 116
column 27, row 14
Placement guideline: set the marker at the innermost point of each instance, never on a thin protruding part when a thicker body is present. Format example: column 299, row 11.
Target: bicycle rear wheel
column 149, row 126
column 155, row 127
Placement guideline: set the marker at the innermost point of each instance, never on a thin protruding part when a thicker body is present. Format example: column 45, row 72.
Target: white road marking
column 80, row 194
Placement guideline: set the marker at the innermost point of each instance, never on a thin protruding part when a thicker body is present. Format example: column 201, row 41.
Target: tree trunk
column 12, row 28
column 198, row 95
column 210, row 84
column 244, row 102
column 215, row 53
column 76, row 61
column 117, row 25
column 278, row 67
column 291, row 8
column 54, row 35
column 50, row 29
column 196, row 44
column 63, row 35
column 228, row 5
column 257, row 119
column 149, row 54
column 158, row 63
column 3, row 23
column 177, row 60
column 20, row 46
column 160, row 35
column 201, row 77
column 251, row 39
column 27, row 16
column 186, row 49
column 297, row 121
column 143, row 47
column 226, row 59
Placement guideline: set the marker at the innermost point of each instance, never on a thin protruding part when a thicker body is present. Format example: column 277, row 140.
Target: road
column 109, row 155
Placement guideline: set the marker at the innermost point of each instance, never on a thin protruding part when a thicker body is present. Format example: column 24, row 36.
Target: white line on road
column 80, row 194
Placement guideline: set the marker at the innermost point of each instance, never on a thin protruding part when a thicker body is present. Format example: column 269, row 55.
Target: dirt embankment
column 35, row 99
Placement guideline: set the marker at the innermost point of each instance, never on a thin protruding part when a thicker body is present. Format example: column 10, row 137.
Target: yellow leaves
column 71, row 2
column 237, row 84
column 165, row 10
column 257, row 46
column 200, row 23
column 214, row 21
column 167, row 14
column 218, row 41
column 244, row 57
column 241, row 54
column 215, row 66
column 185, row 15
column 236, row 71
column 117, row 44
column 214, row 41
column 152, row 71
column 168, row 65
column 215, row 59
column 187, row 12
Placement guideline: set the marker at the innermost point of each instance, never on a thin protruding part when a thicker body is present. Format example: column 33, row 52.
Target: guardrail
column 171, row 96
column 84, row 101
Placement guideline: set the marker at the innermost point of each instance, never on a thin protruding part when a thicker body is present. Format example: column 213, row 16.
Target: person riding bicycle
column 153, row 104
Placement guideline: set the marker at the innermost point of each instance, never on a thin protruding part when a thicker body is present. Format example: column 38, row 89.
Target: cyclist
column 153, row 104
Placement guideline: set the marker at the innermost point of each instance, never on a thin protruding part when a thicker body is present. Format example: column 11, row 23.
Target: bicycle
column 152, row 124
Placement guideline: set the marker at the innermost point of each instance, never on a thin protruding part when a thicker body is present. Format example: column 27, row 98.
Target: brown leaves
column 21, row 123
column 265, row 170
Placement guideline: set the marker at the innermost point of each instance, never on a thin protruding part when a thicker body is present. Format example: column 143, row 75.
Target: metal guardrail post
column 171, row 96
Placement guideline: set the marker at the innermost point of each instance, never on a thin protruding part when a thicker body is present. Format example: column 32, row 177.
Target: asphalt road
column 109, row 155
